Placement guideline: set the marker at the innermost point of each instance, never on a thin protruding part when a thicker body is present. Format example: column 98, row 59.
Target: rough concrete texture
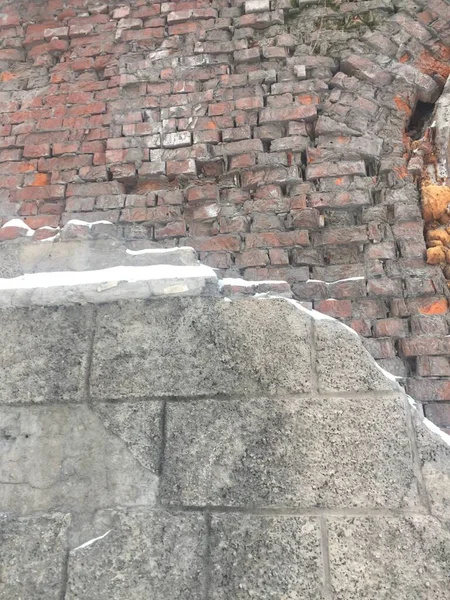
column 200, row 347
column 151, row 554
column 283, row 139
column 289, row 452
column 45, row 352
column 33, row 556
column 289, row 559
column 211, row 448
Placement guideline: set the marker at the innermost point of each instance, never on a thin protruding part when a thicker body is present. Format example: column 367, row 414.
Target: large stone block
column 44, row 354
column 263, row 557
column 32, row 557
column 387, row 557
column 154, row 555
column 200, row 347
column 61, row 456
column 434, row 455
column 343, row 364
column 304, row 452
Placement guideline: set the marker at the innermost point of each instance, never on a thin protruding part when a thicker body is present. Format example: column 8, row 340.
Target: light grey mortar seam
column 417, row 467
column 357, row 395
column 65, row 574
column 207, row 561
column 89, row 357
column 162, row 453
column 327, row 589
column 289, row 511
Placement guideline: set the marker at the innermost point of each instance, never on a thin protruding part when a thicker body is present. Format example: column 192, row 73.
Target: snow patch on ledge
column 102, row 276
column 18, row 223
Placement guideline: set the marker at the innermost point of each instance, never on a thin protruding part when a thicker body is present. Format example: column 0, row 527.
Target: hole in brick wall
column 420, row 119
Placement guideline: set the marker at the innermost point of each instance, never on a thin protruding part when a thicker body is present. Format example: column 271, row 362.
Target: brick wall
column 269, row 135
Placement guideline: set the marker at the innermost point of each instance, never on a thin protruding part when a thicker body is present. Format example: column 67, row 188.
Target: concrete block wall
column 211, row 448
column 273, row 137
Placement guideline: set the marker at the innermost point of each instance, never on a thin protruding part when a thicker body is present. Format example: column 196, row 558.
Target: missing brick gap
column 420, row 120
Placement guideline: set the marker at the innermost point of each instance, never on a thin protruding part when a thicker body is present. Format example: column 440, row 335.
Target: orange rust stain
column 339, row 181
column 211, row 125
column 404, row 58
column 40, row 179
column 438, row 307
column 26, row 167
column 402, row 172
column 6, row 76
column 431, row 66
column 402, row 105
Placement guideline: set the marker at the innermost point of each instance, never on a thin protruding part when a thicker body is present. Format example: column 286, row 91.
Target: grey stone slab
column 44, row 353
column 32, row 557
column 63, row 456
column 9, row 260
column 434, row 455
column 304, row 452
column 109, row 285
column 154, row 555
column 139, row 425
column 200, row 346
column 263, row 557
column 389, row 557
column 343, row 364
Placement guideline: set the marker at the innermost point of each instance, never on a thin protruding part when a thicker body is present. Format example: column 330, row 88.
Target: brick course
column 228, row 126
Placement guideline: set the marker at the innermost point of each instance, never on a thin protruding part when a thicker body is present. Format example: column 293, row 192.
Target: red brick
column 384, row 287
column 272, row 239
column 428, row 390
column 335, row 169
column 424, row 346
column 204, row 193
column 380, row 347
column 291, row 113
column 391, row 328
column 174, row 229
column 340, row 309
column 439, row 413
column 433, row 366
column 48, row 192
column 218, row 243
column 95, row 189
column 341, row 235
column 252, row 258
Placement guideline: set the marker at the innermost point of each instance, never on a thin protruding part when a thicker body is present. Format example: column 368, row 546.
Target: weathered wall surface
column 271, row 136
column 211, row 447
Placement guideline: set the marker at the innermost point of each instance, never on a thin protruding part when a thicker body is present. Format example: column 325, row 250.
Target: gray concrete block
column 44, row 354
column 389, row 557
column 57, row 456
column 154, row 555
column 32, row 557
column 139, row 425
column 263, row 557
column 434, row 456
column 200, row 346
column 343, row 364
column 304, row 452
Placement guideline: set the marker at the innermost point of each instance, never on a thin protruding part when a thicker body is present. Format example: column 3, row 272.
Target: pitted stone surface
column 289, row 452
column 32, row 556
column 434, row 456
column 200, row 347
column 381, row 558
column 340, row 367
column 139, row 425
column 44, row 354
column 146, row 554
column 265, row 557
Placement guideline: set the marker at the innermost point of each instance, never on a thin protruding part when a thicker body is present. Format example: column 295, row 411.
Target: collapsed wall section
column 269, row 135
column 210, row 447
